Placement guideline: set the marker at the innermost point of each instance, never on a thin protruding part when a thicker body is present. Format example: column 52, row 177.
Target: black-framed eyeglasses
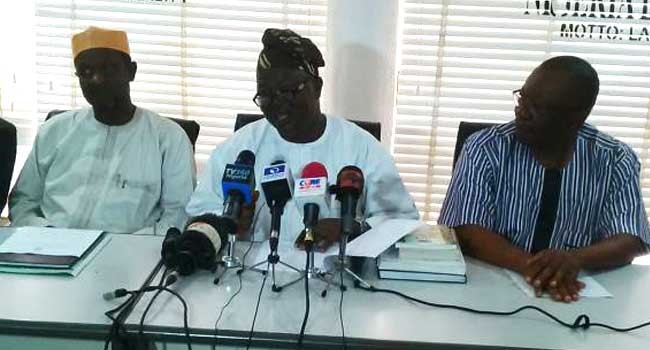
column 263, row 99
column 520, row 102
column 516, row 95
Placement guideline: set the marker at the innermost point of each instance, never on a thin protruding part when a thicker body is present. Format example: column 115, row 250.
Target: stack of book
column 429, row 253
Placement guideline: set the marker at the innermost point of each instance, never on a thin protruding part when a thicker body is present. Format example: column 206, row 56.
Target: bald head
column 555, row 101
column 571, row 83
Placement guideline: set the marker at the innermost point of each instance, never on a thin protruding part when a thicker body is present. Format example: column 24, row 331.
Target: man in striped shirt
column 548, row 195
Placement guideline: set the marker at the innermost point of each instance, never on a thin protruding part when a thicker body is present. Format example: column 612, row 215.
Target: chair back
column 465, row 129
column 373, row 128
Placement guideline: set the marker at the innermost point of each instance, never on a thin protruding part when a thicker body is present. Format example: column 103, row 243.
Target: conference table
column 384, row 321
column 45, row 312
column 65, row 312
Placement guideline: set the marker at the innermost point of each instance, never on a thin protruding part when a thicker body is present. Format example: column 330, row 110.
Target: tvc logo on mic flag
column 237, row 173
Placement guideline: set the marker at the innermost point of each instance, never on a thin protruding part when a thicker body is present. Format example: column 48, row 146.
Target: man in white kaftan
column 295, row 130
column 113, row 167
column 342, row 143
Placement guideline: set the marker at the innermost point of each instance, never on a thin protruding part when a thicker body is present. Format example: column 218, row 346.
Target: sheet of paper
column 290, row 255
column 48, row 241
column 376, row 240
column 592, row 288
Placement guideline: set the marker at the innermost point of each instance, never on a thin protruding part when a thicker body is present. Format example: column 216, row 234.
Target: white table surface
column 388, row 319
column 72, row 304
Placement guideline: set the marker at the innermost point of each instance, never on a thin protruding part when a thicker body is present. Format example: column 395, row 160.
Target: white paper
column 290, row 255
column 592, row 288
column 48, row 241
column 376, row 240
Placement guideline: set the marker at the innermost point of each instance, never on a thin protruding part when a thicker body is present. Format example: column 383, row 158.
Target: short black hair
column 581, row 76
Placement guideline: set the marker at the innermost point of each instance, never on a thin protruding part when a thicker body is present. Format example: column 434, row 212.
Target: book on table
column 429, row 253
column 45, row 247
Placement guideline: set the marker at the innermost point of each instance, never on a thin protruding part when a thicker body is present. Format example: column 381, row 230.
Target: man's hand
column 326, row 233
column 554, row 272
column 246, row 217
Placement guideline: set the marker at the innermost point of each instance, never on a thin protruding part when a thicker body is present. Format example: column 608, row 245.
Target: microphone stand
column 312, row 272
column 342, row 264
column 230, row 225
column 229, row 261
column 273, row 258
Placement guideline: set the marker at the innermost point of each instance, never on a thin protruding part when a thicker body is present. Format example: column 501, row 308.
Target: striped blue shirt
column 497, row 184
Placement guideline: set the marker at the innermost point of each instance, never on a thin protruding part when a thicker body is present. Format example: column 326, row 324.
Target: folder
column 46, row 248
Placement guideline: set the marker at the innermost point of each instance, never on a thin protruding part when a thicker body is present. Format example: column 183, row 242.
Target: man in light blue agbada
column 113, row 167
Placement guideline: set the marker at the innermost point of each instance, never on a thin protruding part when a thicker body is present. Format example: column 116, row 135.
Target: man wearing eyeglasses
column 296, row 131
column 113, row 167
column 548, row 195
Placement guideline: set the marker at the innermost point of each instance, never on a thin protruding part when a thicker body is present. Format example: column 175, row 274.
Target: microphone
column 169, row 250
column 277, row 185
column 311, row 193
column 349, row 186
column 348, row 189
column 237, row 186
column 197, row 247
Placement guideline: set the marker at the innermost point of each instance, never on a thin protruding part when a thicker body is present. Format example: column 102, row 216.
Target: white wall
column 360, row 63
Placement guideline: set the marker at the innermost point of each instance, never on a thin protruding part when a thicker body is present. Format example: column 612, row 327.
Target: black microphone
column 277, row 185
column 196, row 248
column 169, row 251
column 237, row 186
column 169, row 255
column 348, row 189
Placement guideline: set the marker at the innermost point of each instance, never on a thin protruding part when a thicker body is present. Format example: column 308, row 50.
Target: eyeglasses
column 516, row 95
column 520, row 101
column 262, row 99
column 530, row 111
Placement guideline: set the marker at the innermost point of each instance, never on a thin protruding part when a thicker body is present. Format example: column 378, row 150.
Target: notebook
column 45, row 247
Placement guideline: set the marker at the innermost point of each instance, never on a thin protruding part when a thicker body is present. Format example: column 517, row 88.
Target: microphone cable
column 146, row 310
column 306, row 317
column 232, row 297
column 581, row 322
column 117, row 331
column 158, row 289
column 256, row 216
column 342, row 288
column 116, row 325
column 257, row 307
column 163, row 284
